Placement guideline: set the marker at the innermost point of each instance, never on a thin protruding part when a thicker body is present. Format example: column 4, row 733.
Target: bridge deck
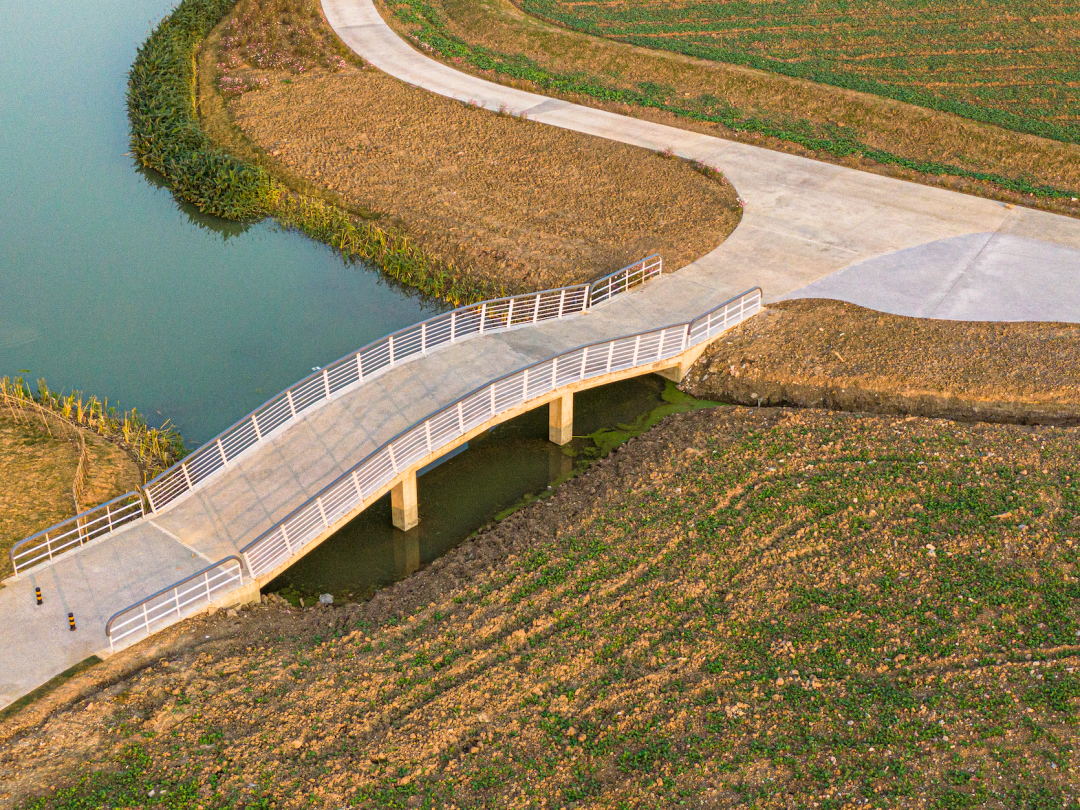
column 803, row 222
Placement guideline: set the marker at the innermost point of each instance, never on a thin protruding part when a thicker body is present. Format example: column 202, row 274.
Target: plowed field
column 1000, row 61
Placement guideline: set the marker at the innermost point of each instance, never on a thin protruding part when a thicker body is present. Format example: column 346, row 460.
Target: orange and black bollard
column 37, row 594
column 71, row 621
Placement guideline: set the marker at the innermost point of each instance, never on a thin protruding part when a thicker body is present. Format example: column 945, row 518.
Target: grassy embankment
column 41, row 440
column 741, row 607
column 168, row 138
column 938, row 146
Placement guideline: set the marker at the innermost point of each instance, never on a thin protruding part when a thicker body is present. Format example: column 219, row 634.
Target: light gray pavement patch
column 983, row 276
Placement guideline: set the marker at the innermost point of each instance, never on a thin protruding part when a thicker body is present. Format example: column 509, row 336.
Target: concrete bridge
column 254, row 499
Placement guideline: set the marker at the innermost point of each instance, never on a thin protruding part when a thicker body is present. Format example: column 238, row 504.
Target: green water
column 109, row 286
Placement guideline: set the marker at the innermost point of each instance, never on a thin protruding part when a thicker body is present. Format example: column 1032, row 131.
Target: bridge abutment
column 403, row 503
column 561, row 419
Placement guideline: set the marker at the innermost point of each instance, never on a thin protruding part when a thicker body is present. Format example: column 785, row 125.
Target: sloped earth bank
column 819, row 353
column 526, row 205
column 742, row 607
column 37, row 469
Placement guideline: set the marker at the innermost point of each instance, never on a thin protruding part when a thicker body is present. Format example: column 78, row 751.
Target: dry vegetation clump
column 37, row 468
column 822, row 353
column 284, row 35
column 742, row 607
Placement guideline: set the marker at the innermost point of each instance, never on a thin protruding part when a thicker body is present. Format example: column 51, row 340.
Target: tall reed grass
column 154, row 449
column 166, row 136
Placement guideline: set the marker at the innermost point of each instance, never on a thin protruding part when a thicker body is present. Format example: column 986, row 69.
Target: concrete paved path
column 809, row 229
column 805, row 220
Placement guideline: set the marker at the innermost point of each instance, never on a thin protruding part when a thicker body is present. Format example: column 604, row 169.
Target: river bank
column 485, row 203
column 692, row 619
column 817, row 353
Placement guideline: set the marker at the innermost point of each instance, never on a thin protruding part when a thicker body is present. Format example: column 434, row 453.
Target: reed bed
column 166, row 136
column 153, row 449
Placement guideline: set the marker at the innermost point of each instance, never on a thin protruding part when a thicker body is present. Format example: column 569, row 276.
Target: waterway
column 109, row 286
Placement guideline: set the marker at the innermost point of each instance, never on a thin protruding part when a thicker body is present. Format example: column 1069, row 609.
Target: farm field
column 998, row 61
column 498, row 40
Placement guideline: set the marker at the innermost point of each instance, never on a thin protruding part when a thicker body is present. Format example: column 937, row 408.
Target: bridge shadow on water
column 512, row 463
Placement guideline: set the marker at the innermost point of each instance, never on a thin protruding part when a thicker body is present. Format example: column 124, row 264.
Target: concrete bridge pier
column 561, row 419
column 403, row 503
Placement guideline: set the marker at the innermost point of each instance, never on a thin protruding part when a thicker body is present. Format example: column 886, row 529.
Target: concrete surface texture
column 904, row 247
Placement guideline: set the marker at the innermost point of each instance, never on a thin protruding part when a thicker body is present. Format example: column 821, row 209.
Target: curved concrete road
column 810, row 229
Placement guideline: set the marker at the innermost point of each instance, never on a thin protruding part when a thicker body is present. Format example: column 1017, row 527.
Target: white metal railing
column 76, row 531
column 607, row 287
column 356, row 367
column 368, row 478
column 175, row 602
column 419, row 339
column 383, row 354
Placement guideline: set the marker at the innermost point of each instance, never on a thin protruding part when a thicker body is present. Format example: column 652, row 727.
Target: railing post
column 146, row 619
column 525, row 387
column 685, row 338
column 461, row 418
column 206, row 578
column 292, row 405
column 562, row 301
column 510, row 313
column 390, row 342
column 48, row 546
column 359, row 368
column 453, row 326
column 150, row 498
column 393, row 461
column 536, row 309
column 637, row 346
column 554, row 373
column 255, row 424
column 187, row 475
column 322, row 512
column 108, row 517
column 176, row 601
column 584, row 358
column 483, row 316
column 610, row 354
column 224, row 458
column 326, row 381
column 423, row 338
column 492, row 389
column 427, row 433
column 356, row 483
column 285, row 537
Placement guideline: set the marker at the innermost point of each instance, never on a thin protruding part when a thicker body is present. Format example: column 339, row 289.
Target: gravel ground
column 820, row 353
column 743, row 606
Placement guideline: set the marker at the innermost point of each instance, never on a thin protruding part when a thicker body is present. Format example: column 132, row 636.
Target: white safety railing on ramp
column 171, row 604
column 607, row 287
column 76, row 531
column 428, row 437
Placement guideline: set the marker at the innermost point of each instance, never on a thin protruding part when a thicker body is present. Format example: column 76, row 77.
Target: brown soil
column 37, row 468
column 528, row 205
column 690, row 621
column 830, row 354
column 906, row 130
